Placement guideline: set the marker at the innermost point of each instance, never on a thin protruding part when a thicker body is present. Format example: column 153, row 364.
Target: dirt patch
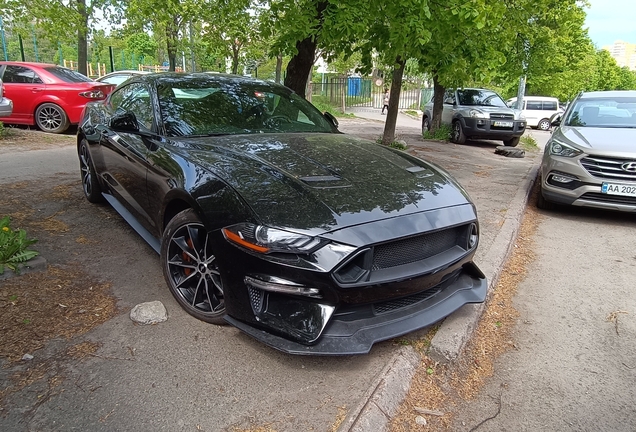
column 61, row 302
column 24, row 139
column 443, row 388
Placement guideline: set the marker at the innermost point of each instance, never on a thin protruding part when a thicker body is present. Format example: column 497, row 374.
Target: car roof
column 33, row 64
column 158, row 77
column 610, row 93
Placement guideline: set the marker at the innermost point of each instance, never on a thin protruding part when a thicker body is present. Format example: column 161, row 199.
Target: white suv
column 538, row 110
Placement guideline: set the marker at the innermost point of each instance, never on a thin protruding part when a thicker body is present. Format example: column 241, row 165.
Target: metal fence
column 362, row 92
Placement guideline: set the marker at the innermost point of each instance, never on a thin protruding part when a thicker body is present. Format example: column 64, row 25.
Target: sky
column 611, row 20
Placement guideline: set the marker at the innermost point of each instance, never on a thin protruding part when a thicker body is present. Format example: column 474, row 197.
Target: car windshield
column 211, row 107
column 67, row 75
column 480, row 98
column 604, row 112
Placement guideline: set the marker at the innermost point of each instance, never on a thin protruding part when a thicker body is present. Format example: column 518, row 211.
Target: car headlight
column 521, row 116
column 262, row 239
column 477, row 114
column 558, row 148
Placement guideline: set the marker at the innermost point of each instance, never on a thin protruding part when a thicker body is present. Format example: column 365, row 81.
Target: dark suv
column 478, row 113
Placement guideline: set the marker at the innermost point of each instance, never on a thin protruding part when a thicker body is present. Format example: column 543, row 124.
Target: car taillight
column 93, row 94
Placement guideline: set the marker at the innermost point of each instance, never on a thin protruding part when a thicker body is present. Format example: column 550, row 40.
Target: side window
column 136, row 99
column 449, row 96
column 533, row 105
column 549, row 105
column 20, row 75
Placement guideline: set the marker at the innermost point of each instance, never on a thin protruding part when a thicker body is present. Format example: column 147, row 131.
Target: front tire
column 90, row 182
column 457, row 135
column 51, row 118
column 191, row 269
column 544, row 124
column 543, row 203
column 512, row 142
column 426, row 124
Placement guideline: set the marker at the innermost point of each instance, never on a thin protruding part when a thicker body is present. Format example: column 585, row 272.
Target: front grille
column 608, row 168
column 415, row 249
column 502, row 116
column 610, row 199
column 380, row 308
column 391, row 305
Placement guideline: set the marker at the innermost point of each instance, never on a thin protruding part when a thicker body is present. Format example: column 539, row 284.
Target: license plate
column 618, row 189
column 502, row 124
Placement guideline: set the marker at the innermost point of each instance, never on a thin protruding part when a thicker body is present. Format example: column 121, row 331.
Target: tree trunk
column 279, row 67
column 235, row 58
column 438, row 103
column 172, row 35
column 82, row 46
column 300, row 65
column 394, row 102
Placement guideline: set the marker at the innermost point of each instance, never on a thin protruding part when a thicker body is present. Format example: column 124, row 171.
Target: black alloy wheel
column 90, row 184
column 426, row 124
column 51, row 118
column 191, row 269
column 457, row 135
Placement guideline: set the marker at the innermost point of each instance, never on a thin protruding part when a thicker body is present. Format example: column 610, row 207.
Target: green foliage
column 3, row 130
column 441, row 134
column 324, row 104
column 13, row 247
column 528, row 143
column 398, row 145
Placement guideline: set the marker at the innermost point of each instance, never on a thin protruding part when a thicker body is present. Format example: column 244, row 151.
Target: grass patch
column 324, row 104
column 528, row 143
column 14, row 247
column 411, row 113
column 441, row 134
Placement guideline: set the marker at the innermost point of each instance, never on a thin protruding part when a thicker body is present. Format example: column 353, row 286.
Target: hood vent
column 325, row 182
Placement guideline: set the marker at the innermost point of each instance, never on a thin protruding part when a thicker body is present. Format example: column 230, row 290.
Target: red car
column 47, row 95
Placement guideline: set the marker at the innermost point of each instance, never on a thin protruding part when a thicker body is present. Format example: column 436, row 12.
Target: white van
column 538, row 110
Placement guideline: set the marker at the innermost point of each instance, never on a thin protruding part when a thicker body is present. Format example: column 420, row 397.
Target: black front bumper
column 487, row 129
column 355, row 330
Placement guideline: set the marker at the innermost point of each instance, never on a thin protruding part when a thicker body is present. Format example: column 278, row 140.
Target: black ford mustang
column 265, row 216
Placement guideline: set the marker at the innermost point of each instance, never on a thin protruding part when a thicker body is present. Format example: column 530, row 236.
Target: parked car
column 119, row 77
column 47, row 95
column 6, row 105
column 268, row 218
column 538, row 110
column 590, row 160
column 478, row 114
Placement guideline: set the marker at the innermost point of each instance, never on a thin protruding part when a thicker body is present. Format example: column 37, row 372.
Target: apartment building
column 624, row 53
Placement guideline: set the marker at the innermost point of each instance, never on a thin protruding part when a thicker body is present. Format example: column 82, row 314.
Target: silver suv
column 480, row 114
column 590, row 159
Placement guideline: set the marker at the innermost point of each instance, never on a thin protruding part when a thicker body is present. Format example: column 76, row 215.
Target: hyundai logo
column 629, row 167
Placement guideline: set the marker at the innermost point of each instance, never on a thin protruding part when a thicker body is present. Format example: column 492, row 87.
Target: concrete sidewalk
column 499, row 187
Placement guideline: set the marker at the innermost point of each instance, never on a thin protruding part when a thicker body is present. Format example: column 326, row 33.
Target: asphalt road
column 573, row 369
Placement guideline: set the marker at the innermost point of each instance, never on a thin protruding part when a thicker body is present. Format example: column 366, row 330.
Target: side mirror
column 124, row 122
column 556, row 120
column 330, row 117
column 449, row 101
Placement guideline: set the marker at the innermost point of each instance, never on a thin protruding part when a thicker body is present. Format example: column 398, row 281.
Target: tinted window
column 533, row 105
column 208, row 107
column 20, row 75
column 67, row 75
column 550, row 105
column 116, row 79
column 480, row 98
column 134, row 98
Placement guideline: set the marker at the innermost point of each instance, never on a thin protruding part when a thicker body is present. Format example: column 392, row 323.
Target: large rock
column 149, row 313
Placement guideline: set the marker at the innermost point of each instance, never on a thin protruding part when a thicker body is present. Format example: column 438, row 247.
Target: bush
column 441, row 134
column 13, row 247
column 528, row 143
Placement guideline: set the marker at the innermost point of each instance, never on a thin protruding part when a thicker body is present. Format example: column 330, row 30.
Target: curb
column 36, row 264
column 380, row 403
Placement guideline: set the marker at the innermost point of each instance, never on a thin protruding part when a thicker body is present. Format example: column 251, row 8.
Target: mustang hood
column 606, row 139
column 322, row 182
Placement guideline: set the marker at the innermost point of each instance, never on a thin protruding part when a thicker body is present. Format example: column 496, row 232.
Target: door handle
column 36, row 90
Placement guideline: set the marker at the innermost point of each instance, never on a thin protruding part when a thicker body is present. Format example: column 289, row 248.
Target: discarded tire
column 510, row 152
